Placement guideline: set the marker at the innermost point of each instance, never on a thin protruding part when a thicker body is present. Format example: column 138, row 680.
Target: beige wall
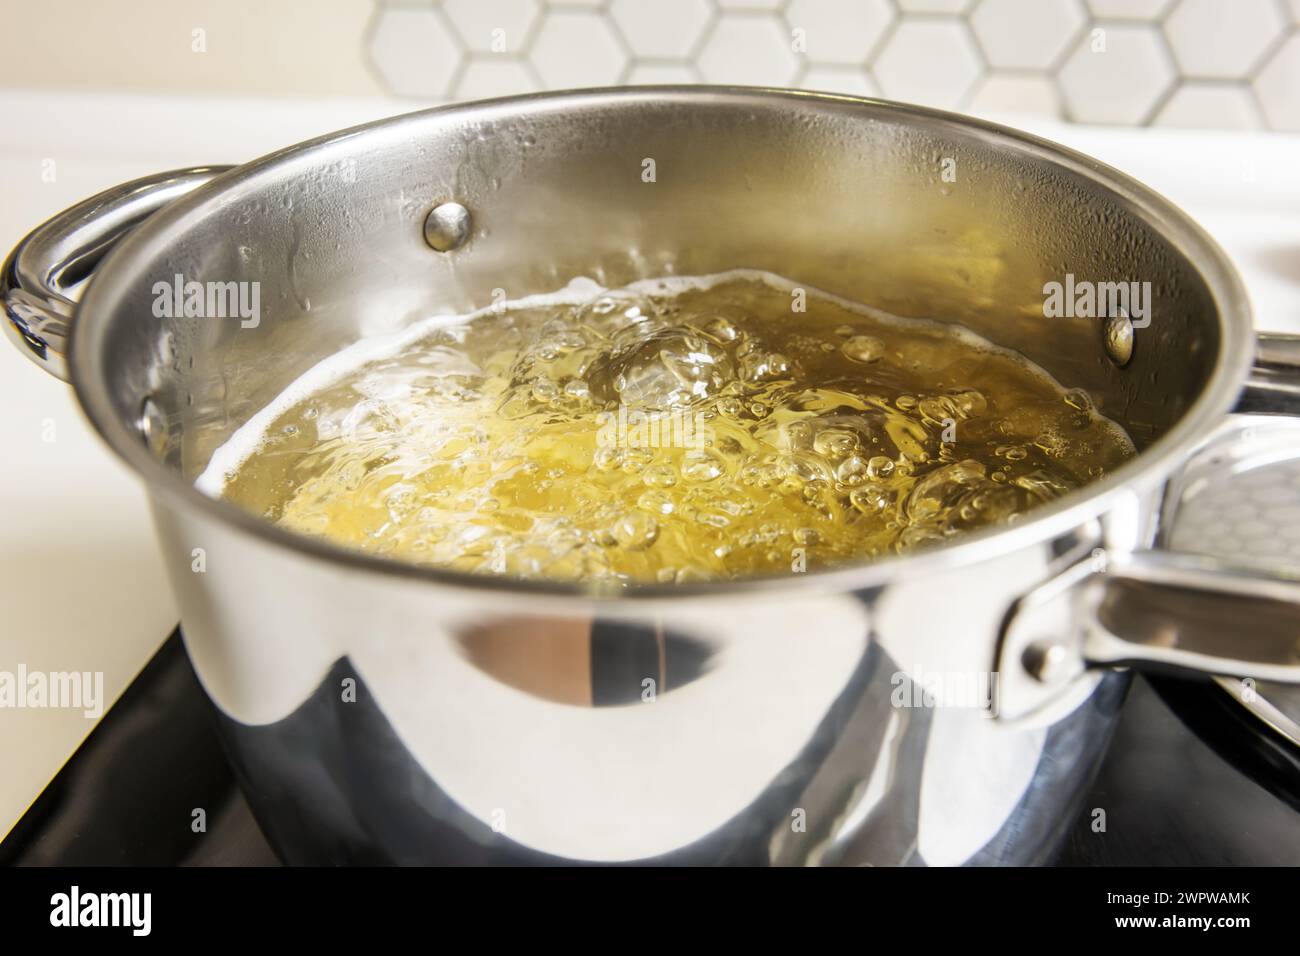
column 253, row 46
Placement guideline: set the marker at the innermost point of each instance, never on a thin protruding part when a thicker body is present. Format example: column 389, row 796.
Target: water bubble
column 863, row 348
column 660, row 476
column 814, row 491
column 1079, row 399
column 804, row 468
column 635, row 531
column 635, row 460
column 720, row 328
column 869, row 499
column 608, row 459
column 969, row 403
column 731, row 407
column 936, row 410
column 880, row 467
column 657, row 502
column 702, row 466
column 941, row 489
column 670, row 368
column 765, row 367
column 836, row 442
column 852, row 471
column 1042, row 486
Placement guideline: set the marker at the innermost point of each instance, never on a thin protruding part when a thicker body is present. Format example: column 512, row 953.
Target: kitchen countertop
column 80, row 577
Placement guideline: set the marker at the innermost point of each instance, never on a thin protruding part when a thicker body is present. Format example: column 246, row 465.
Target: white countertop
column 80, row 578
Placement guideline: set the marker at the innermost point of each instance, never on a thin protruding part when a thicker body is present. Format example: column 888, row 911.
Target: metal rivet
column 153, row 427
column 1119, row 339
column 1044, row 661
column 447, row 226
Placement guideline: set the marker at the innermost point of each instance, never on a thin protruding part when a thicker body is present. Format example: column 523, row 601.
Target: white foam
column 249, row 438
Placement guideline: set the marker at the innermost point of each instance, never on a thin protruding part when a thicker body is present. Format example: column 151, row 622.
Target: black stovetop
column 1189, row 780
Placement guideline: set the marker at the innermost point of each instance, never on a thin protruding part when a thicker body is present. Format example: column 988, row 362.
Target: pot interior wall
column 840, row 195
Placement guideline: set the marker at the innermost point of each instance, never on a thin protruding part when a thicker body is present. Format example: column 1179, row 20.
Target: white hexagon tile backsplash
column 1230, row 64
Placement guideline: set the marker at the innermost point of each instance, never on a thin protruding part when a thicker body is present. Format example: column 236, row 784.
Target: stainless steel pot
column 381, row 712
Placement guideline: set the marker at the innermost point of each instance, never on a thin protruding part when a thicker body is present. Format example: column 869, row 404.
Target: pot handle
column 1158, row 610
column 48, row 270
column 1273, row 387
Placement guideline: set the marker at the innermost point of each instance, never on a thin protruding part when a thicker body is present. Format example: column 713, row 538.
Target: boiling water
column 675, row 430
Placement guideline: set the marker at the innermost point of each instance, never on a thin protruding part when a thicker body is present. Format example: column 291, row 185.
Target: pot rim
column 1073, row 510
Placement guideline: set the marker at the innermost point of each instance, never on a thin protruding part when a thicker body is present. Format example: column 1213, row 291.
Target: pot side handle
column 1165, row 611
column 1273, row 387
column 48, row 270
column 1181, row 613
